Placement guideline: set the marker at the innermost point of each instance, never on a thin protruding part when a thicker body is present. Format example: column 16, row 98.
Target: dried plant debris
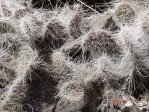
column 71, row 59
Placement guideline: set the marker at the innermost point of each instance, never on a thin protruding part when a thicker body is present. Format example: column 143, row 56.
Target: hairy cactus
column 6, row 26
column 11, row 101
column 124, row 13
column 5, row 9
column 71, row 97
column 73, row 58
column 76, row 22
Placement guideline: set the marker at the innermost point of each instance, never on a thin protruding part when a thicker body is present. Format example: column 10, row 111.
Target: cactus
column 124, row 13
column 10, row 101
column 76, row 22
column 71, row 97
column 74, row 58
column 5, row 9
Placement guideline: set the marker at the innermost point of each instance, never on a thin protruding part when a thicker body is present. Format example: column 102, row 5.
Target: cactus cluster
column 71, row 59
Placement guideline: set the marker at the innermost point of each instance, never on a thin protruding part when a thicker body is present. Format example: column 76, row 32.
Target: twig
column 88, row 6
